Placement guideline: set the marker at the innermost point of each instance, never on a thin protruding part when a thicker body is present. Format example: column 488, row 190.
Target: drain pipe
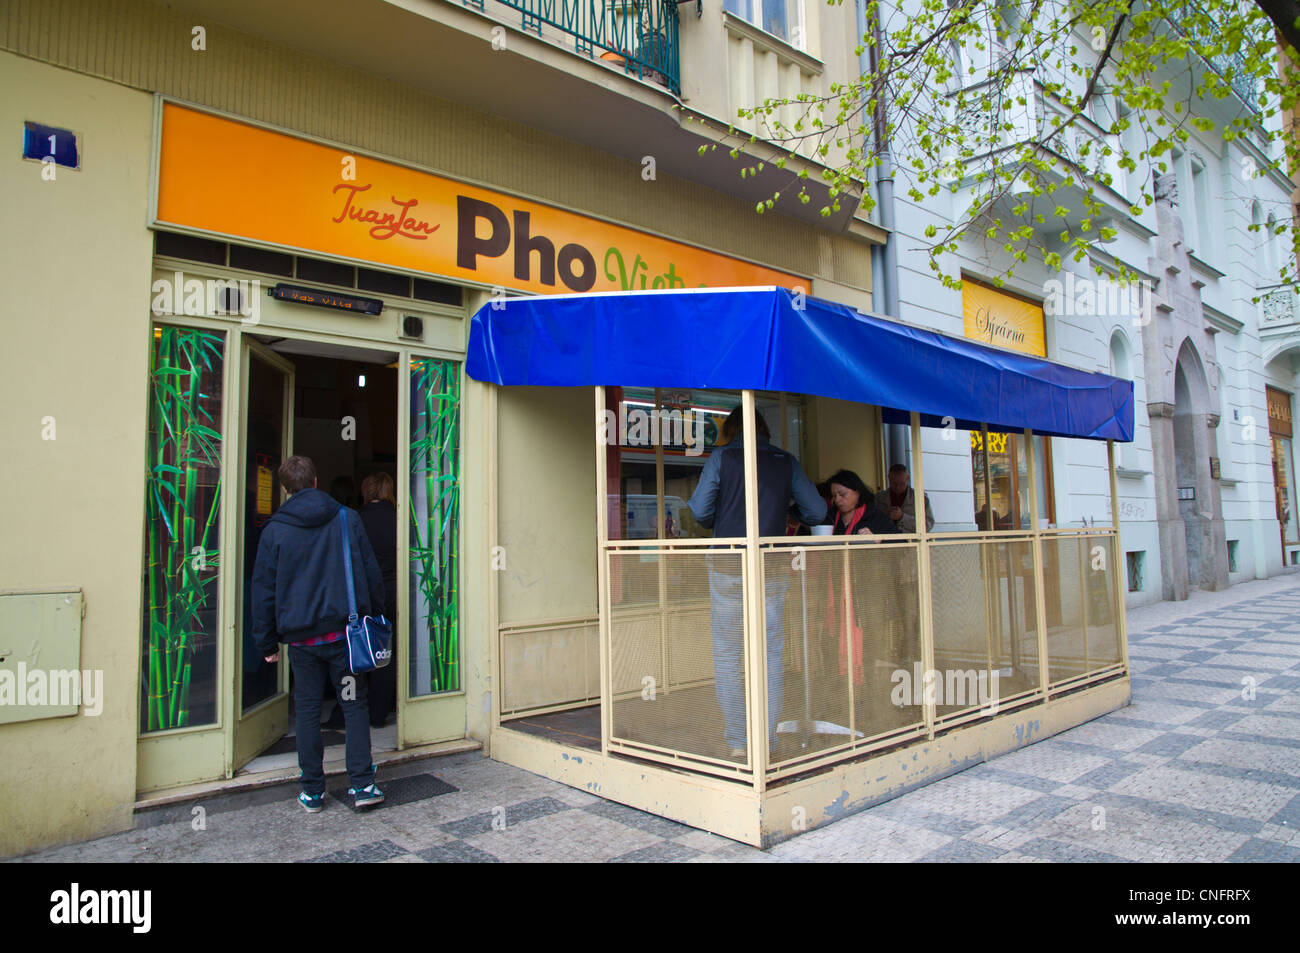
column 884, row 260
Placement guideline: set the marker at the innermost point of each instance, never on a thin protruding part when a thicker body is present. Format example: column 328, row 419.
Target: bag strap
column 347, row 564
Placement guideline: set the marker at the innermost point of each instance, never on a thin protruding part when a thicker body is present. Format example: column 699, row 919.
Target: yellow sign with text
column 1279, row 411
column 997, row 441
column 1002, row 319
column 233, row 179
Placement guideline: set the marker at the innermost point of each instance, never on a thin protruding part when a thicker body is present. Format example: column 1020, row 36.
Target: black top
column 380, row 519
column 875, row 519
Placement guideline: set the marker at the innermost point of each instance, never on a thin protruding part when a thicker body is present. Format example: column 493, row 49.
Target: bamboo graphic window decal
column 435, row 522
column 182, row 525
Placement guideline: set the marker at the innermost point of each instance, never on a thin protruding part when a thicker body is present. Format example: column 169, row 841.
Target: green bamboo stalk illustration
column 434, row 545
column 181, row 568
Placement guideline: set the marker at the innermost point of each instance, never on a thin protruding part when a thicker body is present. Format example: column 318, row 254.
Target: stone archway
column 1178, row 356
column 1197, row 488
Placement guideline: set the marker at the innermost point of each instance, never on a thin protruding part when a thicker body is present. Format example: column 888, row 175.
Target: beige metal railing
column 676, row 653
column 851, row 633
column 549, row 665
column 850, row 663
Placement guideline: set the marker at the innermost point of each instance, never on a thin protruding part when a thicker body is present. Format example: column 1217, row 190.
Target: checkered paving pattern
column 1203, row 766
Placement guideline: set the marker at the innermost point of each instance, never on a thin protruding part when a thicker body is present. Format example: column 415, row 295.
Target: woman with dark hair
column 379, row 516
column 856, row 514
column 855, row 507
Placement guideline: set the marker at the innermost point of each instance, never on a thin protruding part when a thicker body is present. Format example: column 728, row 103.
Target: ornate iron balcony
column 640, row 35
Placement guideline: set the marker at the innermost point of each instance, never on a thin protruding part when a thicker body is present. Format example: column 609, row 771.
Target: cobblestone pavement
column 1194, row 770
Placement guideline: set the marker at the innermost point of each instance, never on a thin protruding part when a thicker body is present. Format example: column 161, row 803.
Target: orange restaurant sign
column 230, row 178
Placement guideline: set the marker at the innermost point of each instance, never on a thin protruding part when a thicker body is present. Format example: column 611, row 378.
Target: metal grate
column 677, row 652
column 551, row 665
column 850, row 628
column 1081, row 631
column 985, row 623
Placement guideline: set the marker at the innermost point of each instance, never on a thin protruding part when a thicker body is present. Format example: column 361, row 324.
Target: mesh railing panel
column 1080, row 605
column 843, row 654
column 549, row 665
column 985, row 623
column 847, row 624
column 677, row 651
column 1103, row 628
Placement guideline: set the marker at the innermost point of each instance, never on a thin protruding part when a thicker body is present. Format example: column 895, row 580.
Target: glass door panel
column 261, row 687
column 1284, row 480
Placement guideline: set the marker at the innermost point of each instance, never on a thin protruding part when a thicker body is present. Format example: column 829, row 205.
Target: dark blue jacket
column 718, row 502
column 299, row 588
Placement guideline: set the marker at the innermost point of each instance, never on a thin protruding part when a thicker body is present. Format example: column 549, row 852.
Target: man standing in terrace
column 718, row 503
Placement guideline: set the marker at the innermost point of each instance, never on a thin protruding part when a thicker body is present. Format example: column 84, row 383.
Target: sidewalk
column 1193, row 770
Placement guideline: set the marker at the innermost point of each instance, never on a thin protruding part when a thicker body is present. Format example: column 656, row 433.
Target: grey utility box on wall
column 40, row 654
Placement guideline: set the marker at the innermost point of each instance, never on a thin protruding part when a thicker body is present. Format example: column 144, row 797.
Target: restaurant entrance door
column 336, row 405
column 267, row 408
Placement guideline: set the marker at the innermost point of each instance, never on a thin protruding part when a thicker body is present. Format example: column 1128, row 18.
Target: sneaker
column 312, row 803
column 367, row 796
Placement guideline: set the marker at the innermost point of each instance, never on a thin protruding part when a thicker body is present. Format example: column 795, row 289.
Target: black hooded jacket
column 299, row 589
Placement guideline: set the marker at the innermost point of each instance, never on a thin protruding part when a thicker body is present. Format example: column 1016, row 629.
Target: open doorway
column 337, row 405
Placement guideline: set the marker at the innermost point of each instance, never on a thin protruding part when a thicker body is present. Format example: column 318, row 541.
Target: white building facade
column 1207, row 488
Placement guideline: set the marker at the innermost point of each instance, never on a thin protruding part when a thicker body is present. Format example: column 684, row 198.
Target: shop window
column 687, row 425
column 171, row 245
column 436, row 292
column 262, row 260
column 1284, row 483
column 383, row 282
column 1001, row 481
column 329, row 272
column 435, row 522
column 1279, row 425
column 182, row 526
column 1136, row 564
column 1233, row 546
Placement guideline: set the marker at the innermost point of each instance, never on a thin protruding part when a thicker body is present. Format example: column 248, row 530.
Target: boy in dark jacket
column 300, row 597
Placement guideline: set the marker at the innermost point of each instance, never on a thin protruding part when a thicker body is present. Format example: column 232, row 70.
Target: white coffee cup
column 823, row 530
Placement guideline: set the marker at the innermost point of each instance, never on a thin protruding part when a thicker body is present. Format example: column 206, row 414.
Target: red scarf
column 841, row 610
column 853, row 524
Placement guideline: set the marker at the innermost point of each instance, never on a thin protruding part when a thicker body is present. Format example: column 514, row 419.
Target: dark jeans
column 312, row 666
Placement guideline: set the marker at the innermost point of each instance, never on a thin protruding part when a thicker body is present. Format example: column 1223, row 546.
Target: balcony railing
column 639, row 35
column 1227, row 65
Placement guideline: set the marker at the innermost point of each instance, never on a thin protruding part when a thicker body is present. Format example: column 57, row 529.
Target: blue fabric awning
column 770, row 339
